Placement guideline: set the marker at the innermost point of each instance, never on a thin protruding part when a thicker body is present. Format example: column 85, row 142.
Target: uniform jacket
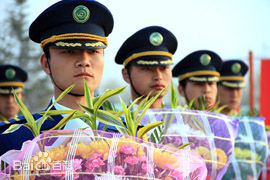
column 16, row 139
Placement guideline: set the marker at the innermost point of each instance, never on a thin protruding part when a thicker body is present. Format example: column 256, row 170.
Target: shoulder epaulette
column 11, row 121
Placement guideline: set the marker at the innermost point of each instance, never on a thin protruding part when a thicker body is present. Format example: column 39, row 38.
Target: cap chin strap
column 131, row 83
column 72, row 94
column 185, row 96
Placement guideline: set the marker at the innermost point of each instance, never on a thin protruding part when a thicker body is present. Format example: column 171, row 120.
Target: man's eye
column 92, row 51
column 146, row 68
column 68, row 51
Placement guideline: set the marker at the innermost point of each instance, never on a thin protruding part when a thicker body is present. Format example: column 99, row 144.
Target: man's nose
column 206, row 87
column 84, row 60
column 10, row 98
column 157, row 74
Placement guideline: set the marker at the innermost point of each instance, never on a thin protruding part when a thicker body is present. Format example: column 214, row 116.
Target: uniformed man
column 198, row 74
column 11, row 78
column 73, row 35
column 147, row 56
column 230, row 86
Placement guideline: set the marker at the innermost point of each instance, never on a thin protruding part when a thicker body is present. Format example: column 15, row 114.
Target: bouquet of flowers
column 266, row 169
column 82, row 154
column 251, row 149
column 92, row 154
column 211, row 135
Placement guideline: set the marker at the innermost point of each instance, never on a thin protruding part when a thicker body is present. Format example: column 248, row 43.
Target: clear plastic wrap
column 86, row 154
column 251, row 149
column 213, row 135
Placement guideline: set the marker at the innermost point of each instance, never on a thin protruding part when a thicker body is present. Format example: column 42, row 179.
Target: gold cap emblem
column 205, row 59
column 236, row 68
column 10, row 73
column 81, row 14
column 156, row 39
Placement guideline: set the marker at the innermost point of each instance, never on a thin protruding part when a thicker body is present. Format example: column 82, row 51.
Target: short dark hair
column 183, row 83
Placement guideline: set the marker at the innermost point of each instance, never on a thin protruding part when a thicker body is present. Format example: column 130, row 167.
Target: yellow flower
column 161, row 158
column 57, row 153
column 221, row 157
column 17, row 176
column 84, row 150
column 205, row 153
column 100, row 146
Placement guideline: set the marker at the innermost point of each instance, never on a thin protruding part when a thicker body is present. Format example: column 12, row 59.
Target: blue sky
column 229, row 27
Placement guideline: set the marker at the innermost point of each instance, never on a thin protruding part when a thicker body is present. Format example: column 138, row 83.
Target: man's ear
column 181, row 90
column 44, row 64
column 22, row 96
column 125, row 75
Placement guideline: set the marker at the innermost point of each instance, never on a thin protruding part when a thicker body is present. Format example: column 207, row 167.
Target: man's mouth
column 84, row 74
column 158, row 86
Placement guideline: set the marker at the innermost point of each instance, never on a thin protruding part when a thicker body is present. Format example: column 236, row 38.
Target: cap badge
column 236, row 68
column 81, row 14
column 156, row 39
column 10, row 73
column 205, row 59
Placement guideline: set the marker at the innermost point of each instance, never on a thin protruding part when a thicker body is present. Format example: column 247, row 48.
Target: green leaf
column 105, row 117
column 56, row 112
column 104, row 97
column 185, row 145
column 64, row 121
column 143, row 102
column 191, row 103
column 87, row 95
column 153, row 139
column 108, row 106
column 168, row 122
column 42, row 120
column 26, row 113
column 12, row 128
column 108, row 118
column 149, row 103
column 173, row 96
column 142, row 131
column 128, row 119
column 221, row 108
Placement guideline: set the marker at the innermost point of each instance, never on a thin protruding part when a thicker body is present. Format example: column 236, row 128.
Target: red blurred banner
column 265, row 91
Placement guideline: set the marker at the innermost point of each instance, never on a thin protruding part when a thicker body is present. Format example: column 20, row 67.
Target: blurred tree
column 16, row 48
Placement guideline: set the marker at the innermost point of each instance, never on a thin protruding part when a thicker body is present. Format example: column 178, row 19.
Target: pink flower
column 142, row 158
column 127, row 149
column 131, row 160
column 144, row 167
column 169, row 167
column 97, row 162
column 177, row 175
column 119, row 170
column 96, row 156
column 92, row 164
column 77, row 164
column 174, row 172
column 58, row 169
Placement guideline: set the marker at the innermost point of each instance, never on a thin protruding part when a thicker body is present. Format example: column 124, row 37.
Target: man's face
column 148, row 78
column 72, row 66
column 193, row 90
column 230, row 96
column 8, row 105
